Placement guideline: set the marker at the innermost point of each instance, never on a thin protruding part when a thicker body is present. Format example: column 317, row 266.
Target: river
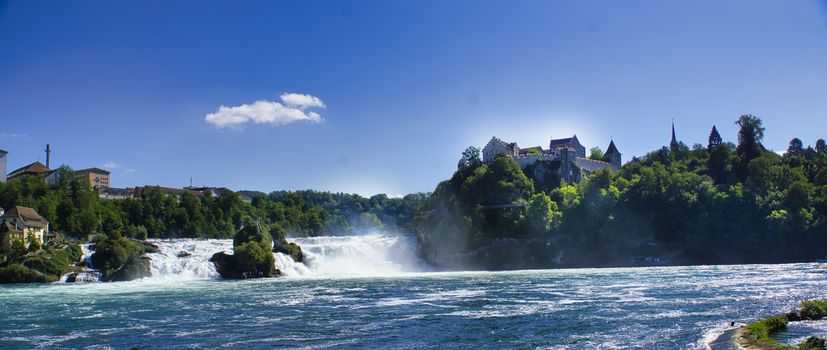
column 372, row 292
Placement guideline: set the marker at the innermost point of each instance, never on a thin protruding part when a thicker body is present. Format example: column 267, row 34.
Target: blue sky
column 402, row 87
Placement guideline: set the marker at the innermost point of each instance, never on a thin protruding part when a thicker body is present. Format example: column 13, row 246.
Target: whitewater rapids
column 326, row 256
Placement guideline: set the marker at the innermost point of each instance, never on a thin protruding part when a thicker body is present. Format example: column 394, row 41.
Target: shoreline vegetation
column 758, row 335
column 719, row 203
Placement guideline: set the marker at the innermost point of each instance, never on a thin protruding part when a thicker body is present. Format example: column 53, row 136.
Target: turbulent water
column 367, row 255
column 371, row 292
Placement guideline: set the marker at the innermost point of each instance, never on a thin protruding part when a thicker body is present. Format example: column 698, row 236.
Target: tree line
column 719, row 203
column 73, row 208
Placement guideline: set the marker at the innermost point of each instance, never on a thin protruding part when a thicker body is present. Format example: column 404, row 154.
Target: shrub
column 53, row 261
column 764, row 328
column 814, row 309
column 813, row 343
column 253, row 233
column 137, row 232
column 16, row 273
column 293, row 250
column 112, row 252
column 254, row 259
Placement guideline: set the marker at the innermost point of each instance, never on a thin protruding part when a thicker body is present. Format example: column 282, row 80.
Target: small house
column 21, row 222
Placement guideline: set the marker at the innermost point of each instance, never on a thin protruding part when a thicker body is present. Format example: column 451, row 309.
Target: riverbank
column 758, row 335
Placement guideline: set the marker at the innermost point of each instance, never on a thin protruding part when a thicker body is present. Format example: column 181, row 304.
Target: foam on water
column 87, row 274
column 365, row 255
column 186, row 259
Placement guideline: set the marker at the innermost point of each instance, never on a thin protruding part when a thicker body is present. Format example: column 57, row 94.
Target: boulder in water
column 72, row 277
column 280, row 244
column 223, row 263
column 290, row 249
column 148, row 247
column 252, row 256
column 183, row 254
column 133, row 269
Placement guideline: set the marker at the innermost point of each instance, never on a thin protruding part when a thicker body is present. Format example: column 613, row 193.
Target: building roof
column 562, row 142
column 612, row 148
column 34, row 168
column 117, row 191
column 7, row 227
column 509, row 146
column 168, row 190
column 3, row 152
column 93, row 170
column 29, row 215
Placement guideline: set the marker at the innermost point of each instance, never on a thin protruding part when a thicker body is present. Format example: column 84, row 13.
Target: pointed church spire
column 673, row 145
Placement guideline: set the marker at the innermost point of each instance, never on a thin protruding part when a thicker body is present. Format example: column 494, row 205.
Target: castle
column 569, row 152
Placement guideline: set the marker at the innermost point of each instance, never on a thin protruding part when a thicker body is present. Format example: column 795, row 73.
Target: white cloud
column 301, row 101
column 268, row 112
column 129, row 171
column 110, row 165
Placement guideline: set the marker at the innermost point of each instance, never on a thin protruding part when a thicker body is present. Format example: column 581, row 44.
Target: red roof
column 93, row 170
column 29, row 216
column 34, row 168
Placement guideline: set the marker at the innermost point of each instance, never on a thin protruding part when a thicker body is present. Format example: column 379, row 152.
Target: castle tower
column 612, row 155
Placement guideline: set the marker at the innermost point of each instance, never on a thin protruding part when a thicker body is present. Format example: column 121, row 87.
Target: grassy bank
column 758, row 334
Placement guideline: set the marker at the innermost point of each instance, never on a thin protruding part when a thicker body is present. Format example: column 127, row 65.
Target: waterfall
column 87, row 251
column 189, row 259
column 87, row 272
column 186, row 259
column 365, row 255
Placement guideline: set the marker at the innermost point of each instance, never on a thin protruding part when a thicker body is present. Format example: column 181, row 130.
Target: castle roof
column 34, row 168
column 554, row 143
column 509, row 146
column 612, row 148
column 559, row 142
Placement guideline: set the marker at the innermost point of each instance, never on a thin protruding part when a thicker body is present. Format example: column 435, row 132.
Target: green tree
column 796, row 147
column 821, row 146
column 715, row 139
column 750, row 134
column 542, row 215
column 470, row 158
column 596, row 153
